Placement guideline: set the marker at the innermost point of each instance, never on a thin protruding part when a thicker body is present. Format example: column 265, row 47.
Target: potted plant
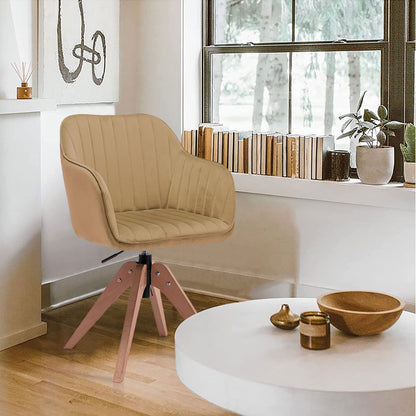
column 408, row 151
column 375, row 160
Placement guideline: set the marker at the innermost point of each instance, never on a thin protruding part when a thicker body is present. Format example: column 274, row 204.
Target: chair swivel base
column 134, row 275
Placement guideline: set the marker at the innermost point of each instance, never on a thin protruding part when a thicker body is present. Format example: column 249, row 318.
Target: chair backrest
column 134, row 154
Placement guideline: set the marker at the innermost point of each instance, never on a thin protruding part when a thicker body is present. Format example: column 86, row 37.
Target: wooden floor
column 40, row 378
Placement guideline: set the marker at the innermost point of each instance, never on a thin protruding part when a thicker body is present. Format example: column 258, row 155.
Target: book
column 207, row 135
column 294, row 156
column 219, row 156
column 289, row 156
column 274, row 155
column 323, row 144
column 201, row 139
column 302, row 157
column 313, row 157
column 230, row 151
column 240, row 168
column 236, row 150
column 254, row 153
column 308, row 157
column 269, row 149
column 245, row 155
column 200, row 150
column 284, row 156
column 263, row 154
column 225, row 149
column 258, row 154
column 279, row 156
column 194, row 135
column 214, row 155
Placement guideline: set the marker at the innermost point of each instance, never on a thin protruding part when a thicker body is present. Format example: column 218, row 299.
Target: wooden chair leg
column 136, row 293
column 120, row 282
column 158, row 312
column 163, row 279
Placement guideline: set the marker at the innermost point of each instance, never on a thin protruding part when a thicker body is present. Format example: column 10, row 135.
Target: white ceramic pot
column 375, row 164
column 409, row 172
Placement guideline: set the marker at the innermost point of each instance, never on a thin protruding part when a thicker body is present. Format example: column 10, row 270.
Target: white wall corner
column 191, row 33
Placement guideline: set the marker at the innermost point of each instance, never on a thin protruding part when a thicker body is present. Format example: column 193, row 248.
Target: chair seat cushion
column 168, row 227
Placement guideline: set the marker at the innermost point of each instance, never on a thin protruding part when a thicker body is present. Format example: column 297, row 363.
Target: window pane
column 252, row 21
column 329, row 84
column 318, row 20
column 250, row 91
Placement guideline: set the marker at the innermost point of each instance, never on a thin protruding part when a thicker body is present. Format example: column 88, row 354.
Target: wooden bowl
column 361, row 313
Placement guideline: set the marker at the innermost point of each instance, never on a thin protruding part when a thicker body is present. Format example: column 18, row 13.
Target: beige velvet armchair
column 131, row 186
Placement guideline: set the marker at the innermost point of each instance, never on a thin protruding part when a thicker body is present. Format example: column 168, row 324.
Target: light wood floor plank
column 39, row 377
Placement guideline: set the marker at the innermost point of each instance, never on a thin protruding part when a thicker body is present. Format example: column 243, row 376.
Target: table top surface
column 239, row 340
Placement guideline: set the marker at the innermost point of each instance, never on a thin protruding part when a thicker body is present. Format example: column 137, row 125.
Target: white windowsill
column 35, row 105
column 393, row 195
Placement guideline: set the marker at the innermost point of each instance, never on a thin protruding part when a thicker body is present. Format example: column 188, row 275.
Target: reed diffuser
column 24, row 72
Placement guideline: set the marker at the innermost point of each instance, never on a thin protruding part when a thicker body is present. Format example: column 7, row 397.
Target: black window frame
column 397, row 50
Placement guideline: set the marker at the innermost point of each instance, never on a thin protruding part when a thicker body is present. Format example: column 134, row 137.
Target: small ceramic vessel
column 285, row 319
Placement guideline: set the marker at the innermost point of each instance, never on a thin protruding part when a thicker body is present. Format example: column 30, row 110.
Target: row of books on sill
column 286, row 155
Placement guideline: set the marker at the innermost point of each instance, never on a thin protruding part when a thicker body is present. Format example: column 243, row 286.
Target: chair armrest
column 90, row 205
column 202, row 187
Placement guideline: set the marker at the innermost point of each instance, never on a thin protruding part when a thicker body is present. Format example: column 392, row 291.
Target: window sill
column 34, row 105
column 392, row 195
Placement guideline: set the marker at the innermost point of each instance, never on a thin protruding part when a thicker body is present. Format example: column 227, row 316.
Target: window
column 296, row 65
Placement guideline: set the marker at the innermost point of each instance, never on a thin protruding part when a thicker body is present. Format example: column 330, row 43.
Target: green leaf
column 371, row 115
column 390, row 133
column 347, row 134
column 381, row 137
column 346, row 124
column 366, row 139
column 368, row 125
column 360, row 101
column 382, row 112
column 409, row 134
column 393, row 125
column 367, row 116
column 347, row 115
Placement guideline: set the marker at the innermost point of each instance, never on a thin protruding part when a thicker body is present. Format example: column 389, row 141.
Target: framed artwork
column 79, row 51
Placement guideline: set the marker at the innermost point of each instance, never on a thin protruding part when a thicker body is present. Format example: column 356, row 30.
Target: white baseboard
column 77, row 287
column 233, row 286
column 23, row 336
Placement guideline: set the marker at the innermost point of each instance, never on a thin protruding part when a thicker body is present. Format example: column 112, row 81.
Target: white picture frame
column 79, row 51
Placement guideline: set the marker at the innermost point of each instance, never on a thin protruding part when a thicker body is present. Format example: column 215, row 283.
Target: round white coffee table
column 234, row 357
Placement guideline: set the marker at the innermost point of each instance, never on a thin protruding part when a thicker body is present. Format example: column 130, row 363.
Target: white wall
column 20, row 226
column 18, row 41
column 150, row 61
column 20, row 210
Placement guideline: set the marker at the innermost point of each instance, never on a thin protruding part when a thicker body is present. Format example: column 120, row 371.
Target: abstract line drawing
column 79, row 48
column 81, row 51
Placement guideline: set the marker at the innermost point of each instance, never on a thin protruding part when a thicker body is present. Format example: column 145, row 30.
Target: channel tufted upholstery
column 131, row 186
